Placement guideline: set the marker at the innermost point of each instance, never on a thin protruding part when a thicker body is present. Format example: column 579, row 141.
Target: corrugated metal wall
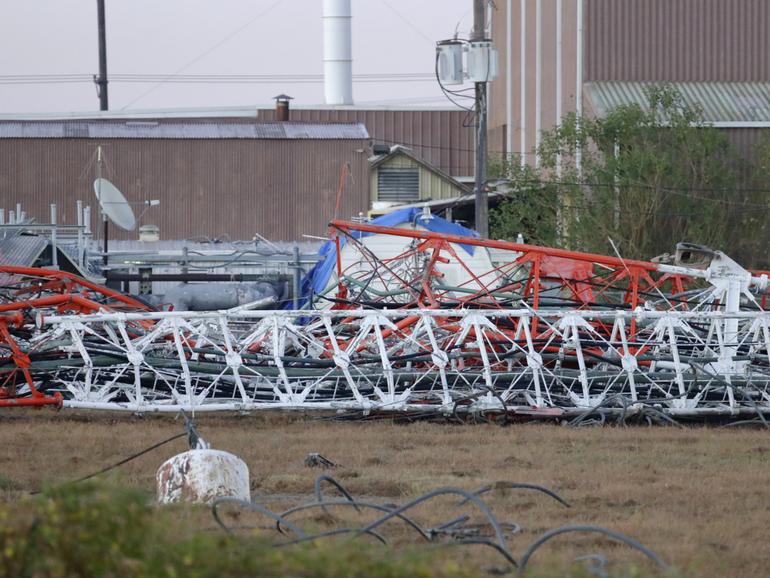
column 631, row 40
column 683, row 40
column 501, row 131
column 437, row 136
column 497, row 90
column 277, row 188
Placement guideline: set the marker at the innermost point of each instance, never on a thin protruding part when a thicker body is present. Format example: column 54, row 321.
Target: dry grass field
column 700, row 497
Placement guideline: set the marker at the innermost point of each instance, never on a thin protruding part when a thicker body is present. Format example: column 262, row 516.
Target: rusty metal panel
column 677, row 40
column 280, row 189
column 440, row 137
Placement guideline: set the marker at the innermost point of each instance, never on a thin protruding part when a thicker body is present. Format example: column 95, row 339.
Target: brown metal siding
column 677, row 40
column 278, row 188
column 496, row 94
column 437, row 136
column 632, row 40
column 497, row 118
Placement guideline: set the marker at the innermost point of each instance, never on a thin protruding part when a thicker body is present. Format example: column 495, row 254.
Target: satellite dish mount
column 113, row 205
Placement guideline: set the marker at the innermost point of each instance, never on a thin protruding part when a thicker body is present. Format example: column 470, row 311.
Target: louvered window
column 398, row 185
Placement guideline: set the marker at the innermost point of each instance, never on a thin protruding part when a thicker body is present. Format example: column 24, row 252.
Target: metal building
column 278, row 180
column 439, row 136
column 557, row 55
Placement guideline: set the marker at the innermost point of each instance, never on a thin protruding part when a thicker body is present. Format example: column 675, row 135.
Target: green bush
column 94, row 531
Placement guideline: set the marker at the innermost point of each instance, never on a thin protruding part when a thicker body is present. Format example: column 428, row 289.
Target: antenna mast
column 105, row 220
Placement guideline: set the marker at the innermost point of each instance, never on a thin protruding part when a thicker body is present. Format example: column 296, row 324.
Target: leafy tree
column 648, row 177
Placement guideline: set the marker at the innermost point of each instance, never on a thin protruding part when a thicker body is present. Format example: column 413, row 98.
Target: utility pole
column 101, row 80
column 481, row 204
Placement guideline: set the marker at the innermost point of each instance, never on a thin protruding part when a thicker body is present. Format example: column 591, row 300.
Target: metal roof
column 723, row 103
column 21, row 250
column 241, row 112
column 183, row 130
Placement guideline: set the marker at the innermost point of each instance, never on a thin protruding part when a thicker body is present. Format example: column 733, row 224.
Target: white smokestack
column 338, row 52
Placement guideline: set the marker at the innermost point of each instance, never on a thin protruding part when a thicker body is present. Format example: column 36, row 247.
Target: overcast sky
column 44, row 37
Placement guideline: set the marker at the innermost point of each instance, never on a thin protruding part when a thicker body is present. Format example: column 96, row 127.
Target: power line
column 214, row 78
column 408, row 22
column 593, row 203
column 206, row 52
column 689, row 192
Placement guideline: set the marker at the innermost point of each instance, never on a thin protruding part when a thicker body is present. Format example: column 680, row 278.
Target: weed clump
column 96, row 531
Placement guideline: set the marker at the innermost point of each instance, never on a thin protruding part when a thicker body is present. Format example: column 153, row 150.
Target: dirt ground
column 699, row 497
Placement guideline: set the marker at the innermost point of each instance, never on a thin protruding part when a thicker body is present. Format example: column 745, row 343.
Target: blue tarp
column 318, row 277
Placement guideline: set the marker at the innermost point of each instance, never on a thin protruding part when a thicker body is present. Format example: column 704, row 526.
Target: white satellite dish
column 114, row 204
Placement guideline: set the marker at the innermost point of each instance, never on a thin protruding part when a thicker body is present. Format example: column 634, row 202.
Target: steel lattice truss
column 24, row 291
column 538, row 363
column 540, row 277
column 431, row 329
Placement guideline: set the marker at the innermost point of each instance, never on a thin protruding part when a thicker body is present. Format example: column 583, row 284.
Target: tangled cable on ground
column 458, row 531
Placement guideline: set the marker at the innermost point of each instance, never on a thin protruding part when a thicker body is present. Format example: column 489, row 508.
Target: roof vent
column 282, row 107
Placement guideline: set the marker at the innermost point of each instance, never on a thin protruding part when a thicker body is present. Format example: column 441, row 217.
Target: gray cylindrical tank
column 214, row 296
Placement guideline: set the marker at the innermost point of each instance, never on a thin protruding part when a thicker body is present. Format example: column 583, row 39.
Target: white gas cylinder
column 201, row 475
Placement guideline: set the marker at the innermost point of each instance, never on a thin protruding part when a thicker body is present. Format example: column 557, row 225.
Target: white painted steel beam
column 548, row 362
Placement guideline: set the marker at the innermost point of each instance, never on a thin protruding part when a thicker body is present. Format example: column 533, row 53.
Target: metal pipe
column 455, row 314
column 509, row 77
column 560, row 224
column 185, row 263
column 81, row 248
column 105, row 220
column 538, row 78
column 523, row 81
column 87, row 219
column 54, row 247
column 296, row 278
column 192, row 277
column 559, row 72
column 579, row 80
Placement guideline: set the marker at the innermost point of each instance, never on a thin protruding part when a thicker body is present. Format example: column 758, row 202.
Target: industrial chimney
column 338, row 52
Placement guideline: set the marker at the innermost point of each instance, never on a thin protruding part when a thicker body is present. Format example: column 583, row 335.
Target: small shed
column 399, row 176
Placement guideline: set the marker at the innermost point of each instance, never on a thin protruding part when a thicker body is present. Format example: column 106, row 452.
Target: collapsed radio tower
column 540, row 332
